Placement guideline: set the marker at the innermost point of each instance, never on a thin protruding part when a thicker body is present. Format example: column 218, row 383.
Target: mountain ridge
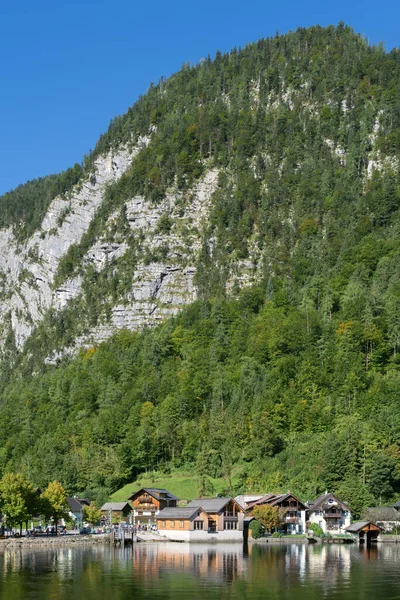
column 253, row 217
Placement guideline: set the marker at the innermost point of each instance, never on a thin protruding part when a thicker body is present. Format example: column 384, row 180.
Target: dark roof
column 115, row 506
column 157, row 493
column 356, row 527
column 185, row 512
column 84, row 501
column 211, row 504
column 274, row 499
column 264, row 499
column 74, row 505
column 324, row 498
column 396, row 504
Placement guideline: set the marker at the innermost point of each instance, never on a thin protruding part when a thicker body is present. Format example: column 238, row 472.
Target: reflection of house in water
column 328, row 563
column 222, row 563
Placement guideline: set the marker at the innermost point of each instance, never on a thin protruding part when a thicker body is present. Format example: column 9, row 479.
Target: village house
column 147, row 503
column 330, row 513
column 115, row 511
column 292, row 511
column 75, row 510
column 387, row 517
column 204, row 519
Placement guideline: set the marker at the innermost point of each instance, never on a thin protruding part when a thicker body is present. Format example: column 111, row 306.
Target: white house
column 330, row 513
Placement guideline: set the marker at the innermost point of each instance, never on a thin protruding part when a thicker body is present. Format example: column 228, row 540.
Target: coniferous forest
column 292, row 383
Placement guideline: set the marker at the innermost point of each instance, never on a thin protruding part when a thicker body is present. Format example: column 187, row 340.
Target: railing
column 292, row 520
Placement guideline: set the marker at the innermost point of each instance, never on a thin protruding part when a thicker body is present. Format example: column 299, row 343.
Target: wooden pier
column 123, row 536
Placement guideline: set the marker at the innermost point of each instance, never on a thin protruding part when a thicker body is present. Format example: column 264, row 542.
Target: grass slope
column 183, row 485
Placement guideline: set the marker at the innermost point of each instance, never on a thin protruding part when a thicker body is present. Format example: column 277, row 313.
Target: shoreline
column 68, row 540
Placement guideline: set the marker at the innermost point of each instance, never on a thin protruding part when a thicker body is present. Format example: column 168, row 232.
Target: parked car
column 85, row 530
column 37, row 529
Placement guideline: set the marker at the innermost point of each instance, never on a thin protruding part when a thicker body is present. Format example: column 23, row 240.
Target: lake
column 177, row 571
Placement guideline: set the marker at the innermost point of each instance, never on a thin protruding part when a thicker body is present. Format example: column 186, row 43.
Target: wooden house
column 147, row 503
column 292, row 510
column 115, row 510
column 330, row 513
column 204, row 519
column 364, row 531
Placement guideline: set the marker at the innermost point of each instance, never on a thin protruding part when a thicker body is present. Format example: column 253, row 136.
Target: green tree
column 92, row 513
column 18, row 499
column 268, row 515
column 55, row 503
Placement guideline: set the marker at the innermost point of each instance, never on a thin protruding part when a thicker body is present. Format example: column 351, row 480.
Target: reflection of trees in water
column 174, row 571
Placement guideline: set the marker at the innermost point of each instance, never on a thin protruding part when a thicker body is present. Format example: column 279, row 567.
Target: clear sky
column 67, row 68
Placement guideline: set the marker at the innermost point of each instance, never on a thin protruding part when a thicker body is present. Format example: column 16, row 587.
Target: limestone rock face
column 27, row 272
column 164, row 271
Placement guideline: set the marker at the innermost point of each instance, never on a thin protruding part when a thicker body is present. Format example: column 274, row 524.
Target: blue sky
column 68, row 68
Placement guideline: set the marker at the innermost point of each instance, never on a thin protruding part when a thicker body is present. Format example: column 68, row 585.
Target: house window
column 181, row 524
column 163, row 523
column 198, row 525
column 230, row 524
column 172, row 524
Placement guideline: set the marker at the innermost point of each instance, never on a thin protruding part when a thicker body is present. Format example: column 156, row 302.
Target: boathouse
column 365, row 531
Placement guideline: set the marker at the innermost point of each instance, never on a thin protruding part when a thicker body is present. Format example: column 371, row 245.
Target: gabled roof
column 396, row 504
column 266, row 498
column 84, row 501
column 157, row 493
column 245, row 499
column 211, row 505
column 74, row 505
column 359, row 526
column 185, row 512
column 115, row 506
column 324, row 498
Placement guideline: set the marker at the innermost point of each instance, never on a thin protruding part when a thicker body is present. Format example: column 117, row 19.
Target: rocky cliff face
column 163, row 278
column 27, row 272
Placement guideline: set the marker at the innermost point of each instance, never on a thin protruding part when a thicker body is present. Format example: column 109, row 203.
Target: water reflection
column 177, row 571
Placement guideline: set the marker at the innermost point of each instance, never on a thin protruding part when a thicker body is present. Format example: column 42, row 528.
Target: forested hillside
column 286, row 368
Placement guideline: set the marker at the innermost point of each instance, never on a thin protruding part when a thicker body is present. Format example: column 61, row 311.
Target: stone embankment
column 53, row 541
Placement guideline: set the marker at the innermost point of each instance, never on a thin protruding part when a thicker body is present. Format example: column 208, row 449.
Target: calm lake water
column 177, row 571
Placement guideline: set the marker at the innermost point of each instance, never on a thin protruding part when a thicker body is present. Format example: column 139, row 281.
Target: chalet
column 291, row 509
column 181, row 524
column 330, row 513
column 115, row 510
column 204, row 519
column 148, row 502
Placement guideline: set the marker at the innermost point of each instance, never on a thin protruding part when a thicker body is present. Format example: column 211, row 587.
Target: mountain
column 248, row 207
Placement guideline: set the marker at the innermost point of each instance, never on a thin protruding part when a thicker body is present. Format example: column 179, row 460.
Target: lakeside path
column 46, row 541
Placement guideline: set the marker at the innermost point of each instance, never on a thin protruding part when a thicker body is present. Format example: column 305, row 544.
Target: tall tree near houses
column 18, row 499
column 54, row 500
column 268, row 515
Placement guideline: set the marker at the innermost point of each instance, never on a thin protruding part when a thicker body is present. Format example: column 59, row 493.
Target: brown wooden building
column 292, row 510
column 366, row 531
column 116, row 510
column 147, row 503
column 203, row 519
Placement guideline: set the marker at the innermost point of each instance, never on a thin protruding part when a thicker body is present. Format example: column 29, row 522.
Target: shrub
column 316, row 529
column 276, row 534
column 256, row 529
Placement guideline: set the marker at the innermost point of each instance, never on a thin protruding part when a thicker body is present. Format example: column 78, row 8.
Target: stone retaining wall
column 66, row 540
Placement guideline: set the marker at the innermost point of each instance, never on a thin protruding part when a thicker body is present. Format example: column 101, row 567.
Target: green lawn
column 183, row 485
